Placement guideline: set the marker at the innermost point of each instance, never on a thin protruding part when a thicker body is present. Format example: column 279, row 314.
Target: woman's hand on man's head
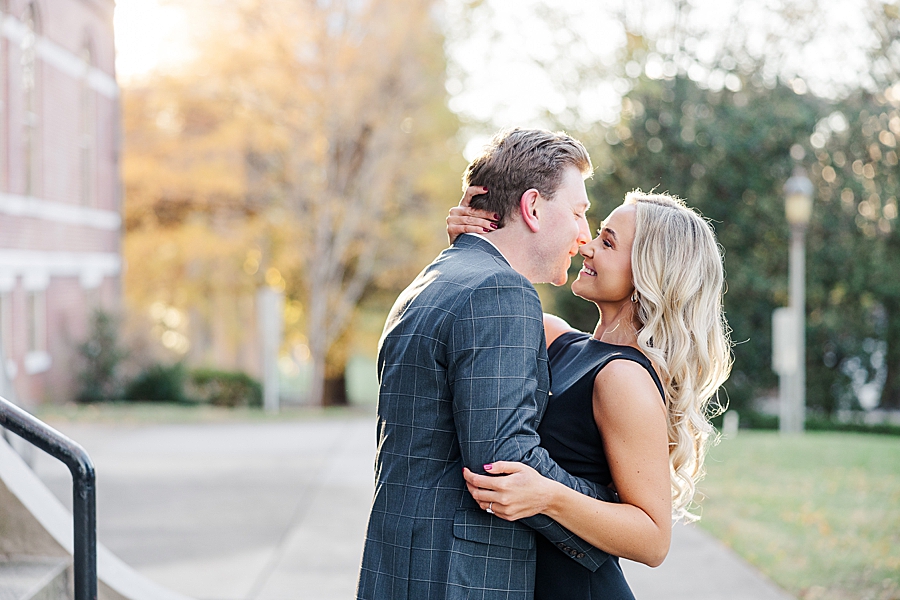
column 464, row 219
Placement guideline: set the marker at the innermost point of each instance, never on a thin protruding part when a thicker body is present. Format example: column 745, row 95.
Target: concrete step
column 32, row 578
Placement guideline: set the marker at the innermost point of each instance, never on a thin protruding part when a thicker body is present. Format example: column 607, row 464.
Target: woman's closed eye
column 605, row 241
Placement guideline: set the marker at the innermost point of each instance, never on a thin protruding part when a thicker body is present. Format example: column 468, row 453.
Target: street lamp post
column 798, row 202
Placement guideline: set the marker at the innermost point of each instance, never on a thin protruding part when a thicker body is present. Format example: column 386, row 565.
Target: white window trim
column 6, row 329
column 63, row 60
column 42, row 265
column 59, row 212
column 87, row 159
column 37, row 331
column 37, row 362
column 12, row 369
column 90, row 280
column 36, row 280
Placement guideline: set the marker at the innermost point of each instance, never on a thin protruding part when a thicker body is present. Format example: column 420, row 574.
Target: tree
column 728, row 154
column 884, row 57
column 856, row 315
column 876, row 126
column 330, row 120
column 191, row 228
column 353, row 113
column 714, row 115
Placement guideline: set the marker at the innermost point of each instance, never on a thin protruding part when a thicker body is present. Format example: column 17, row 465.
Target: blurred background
column 314, row 148
column 213, row 199
column 214, row 203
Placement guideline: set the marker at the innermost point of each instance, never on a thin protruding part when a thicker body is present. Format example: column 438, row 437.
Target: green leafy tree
column 855, row 248
column 729, row 153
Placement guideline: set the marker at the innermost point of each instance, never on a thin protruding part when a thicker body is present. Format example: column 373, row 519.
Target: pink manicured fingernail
column 494, row 226
column 485, row 188
column 496, row 217
column 488, row 467
column 486, row 230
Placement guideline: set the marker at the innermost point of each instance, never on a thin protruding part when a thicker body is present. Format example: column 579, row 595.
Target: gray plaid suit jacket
column 464, row 380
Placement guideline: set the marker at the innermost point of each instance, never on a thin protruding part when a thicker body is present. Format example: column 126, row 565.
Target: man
column 464, row 382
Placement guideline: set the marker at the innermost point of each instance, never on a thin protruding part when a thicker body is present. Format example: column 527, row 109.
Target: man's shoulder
column 463, row 275
column 477, row 264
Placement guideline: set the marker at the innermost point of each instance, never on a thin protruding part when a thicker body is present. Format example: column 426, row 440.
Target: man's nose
column 584, row 232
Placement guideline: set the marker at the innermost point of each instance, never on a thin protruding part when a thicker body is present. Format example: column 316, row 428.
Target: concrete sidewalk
column 277, row 511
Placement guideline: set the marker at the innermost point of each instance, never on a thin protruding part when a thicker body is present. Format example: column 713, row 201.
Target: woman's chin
column 578, row 289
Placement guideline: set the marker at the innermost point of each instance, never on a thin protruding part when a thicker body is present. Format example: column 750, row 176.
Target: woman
column 629, row 403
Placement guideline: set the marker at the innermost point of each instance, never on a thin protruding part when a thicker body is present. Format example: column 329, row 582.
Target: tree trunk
column 335, row 392
column 317, row 334
column 890, row 395
column 317, row 383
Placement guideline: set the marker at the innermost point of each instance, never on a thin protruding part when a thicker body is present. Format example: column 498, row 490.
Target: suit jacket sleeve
column 493, row 369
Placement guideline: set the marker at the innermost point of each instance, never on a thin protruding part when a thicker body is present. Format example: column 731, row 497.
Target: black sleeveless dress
column 570, row 435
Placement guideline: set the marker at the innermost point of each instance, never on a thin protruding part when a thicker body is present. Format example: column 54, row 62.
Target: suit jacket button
column 580, row 555
column 560, row 545
column 573, row 552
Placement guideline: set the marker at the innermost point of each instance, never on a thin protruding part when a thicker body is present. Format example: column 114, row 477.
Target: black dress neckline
column 581, row 358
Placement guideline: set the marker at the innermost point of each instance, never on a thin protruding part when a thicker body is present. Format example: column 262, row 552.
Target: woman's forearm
column 622, row 530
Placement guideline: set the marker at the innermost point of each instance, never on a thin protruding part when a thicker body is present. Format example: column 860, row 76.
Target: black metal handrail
column 84, row 499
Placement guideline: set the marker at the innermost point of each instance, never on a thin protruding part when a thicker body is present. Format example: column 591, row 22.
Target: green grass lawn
column 819, row 513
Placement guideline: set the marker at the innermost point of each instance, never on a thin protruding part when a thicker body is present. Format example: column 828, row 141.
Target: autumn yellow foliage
column 306, row 146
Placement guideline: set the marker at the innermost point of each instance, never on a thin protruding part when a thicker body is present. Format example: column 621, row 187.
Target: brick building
column 60, row 223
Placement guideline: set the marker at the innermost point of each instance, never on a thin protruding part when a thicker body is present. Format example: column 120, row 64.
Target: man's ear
column 528, row 207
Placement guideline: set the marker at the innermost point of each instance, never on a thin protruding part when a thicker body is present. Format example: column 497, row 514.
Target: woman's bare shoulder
column 554, row 327
column 625, row 385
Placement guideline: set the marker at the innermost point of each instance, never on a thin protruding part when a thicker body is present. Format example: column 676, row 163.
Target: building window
column 37, row 360
column 88, row 132
column 30, row 91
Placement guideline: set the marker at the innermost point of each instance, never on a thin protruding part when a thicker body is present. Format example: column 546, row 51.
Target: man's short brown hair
column 517, row 160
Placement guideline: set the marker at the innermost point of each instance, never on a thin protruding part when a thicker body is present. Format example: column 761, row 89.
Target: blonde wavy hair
column 679, row 281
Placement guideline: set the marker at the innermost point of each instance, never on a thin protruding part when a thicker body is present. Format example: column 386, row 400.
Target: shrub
column 820, row 423
column 814, row 422
column 225, row 388
column 101, row 356
column 158, row 383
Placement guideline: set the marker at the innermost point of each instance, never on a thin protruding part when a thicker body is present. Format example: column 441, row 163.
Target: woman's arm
column 554, row 327
column 632, row 421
